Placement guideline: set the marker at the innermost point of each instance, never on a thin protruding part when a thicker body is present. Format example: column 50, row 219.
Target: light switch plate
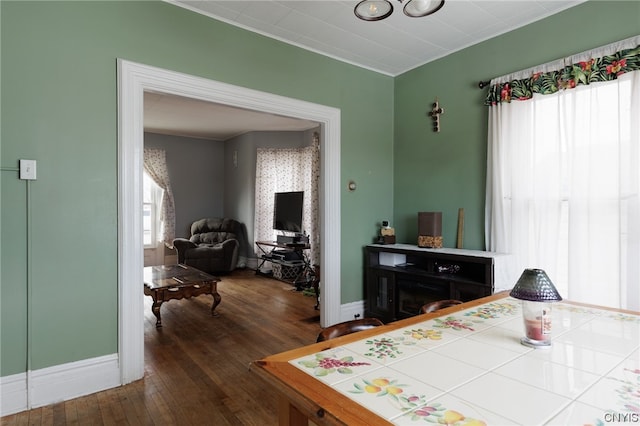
column 28, row 169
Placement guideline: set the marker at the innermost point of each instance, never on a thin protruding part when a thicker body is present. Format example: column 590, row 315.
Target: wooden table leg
column 289, row 415
column 155, row 308
column 216, row 300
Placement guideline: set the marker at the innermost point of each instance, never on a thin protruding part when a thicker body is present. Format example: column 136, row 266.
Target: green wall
column 446, row 171
column 59, row 107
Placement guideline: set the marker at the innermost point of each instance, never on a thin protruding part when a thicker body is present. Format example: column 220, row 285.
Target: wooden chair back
column 348, row 327
column 437, row 305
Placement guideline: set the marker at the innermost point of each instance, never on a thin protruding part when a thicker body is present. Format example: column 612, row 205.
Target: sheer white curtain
column 283, row 170
column 155, row 165
column 563, row 185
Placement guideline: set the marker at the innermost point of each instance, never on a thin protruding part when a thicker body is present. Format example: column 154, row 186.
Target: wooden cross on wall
column 435, row 113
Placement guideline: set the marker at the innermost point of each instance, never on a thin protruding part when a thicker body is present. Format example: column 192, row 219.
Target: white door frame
column 133, row 80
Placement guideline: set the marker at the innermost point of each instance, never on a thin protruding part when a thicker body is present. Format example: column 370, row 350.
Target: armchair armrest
column 181, row 245
column 230, row 249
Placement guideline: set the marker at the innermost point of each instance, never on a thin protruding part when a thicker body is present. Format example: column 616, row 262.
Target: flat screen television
column 287, row 211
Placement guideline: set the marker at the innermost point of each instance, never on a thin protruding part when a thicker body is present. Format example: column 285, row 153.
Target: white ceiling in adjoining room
column 179, row 116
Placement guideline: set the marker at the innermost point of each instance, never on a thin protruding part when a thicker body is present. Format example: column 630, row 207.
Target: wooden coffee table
column 167, row 282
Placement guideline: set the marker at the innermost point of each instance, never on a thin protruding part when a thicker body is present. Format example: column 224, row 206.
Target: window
column 563, row 178
column 160, row 211
column 290, row 169
column 152, row 202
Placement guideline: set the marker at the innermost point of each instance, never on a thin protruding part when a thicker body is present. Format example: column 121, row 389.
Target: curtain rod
column 483, row 84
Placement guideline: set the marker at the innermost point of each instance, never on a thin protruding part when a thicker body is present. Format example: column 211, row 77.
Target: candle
column 534, row 329
column 538, row 328
column 537, row 324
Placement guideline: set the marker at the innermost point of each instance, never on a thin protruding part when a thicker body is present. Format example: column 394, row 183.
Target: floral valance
column 604, row 68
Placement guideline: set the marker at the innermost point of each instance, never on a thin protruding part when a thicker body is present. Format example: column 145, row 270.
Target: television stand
column 289, row 258
column 289, row 263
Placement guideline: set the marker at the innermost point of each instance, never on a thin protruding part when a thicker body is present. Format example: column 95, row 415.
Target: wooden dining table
column 465, row 365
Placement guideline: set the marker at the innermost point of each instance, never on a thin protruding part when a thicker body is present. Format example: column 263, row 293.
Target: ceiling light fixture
column 376, row 10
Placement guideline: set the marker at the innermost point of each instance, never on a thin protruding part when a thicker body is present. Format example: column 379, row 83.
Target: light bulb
column 419, row 8
column 373, row 10
column 422, row 5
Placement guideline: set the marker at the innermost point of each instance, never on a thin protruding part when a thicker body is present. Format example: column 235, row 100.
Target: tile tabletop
column 469, row 368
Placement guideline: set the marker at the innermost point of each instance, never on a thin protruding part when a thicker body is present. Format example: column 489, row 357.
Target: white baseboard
column 13, row 394
column 67, row 381
column 58, row 383
column 353, row 310
column 251, row 262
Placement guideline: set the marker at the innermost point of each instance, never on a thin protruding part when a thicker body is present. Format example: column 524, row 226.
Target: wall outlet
column 28, row 169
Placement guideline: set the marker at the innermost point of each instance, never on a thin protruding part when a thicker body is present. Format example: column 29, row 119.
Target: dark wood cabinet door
column 381, row 294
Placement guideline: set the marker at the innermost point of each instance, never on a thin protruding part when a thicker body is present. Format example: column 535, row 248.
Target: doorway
column 133, row 80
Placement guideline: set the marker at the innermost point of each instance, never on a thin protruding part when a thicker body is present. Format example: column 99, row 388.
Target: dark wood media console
column 400, row 278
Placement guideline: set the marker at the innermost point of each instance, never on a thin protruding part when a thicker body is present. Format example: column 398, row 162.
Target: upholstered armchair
column 212, row 247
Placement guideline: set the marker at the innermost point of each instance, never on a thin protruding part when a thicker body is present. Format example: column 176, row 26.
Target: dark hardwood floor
column 197, row 366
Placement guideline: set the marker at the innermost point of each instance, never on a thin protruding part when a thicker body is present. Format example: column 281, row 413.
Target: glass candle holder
column 537, row 324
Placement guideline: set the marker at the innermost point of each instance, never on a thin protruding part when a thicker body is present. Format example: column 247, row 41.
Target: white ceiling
column 179, row 116
column 329, row 27
column 391, row 46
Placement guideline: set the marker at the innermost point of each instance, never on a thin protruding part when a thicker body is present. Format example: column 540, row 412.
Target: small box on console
column 285, row 239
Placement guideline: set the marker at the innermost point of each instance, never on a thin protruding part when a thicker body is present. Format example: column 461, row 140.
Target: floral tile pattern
column 383, row 348
column 424, row 336
column 495, row 310
column 592, row 312
column 618, row 391
column 387, row 392
column 334, row 365
column 448, row 410
column 455, row 323
column 469, row 368
column 386, row 348
column 479, row 318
